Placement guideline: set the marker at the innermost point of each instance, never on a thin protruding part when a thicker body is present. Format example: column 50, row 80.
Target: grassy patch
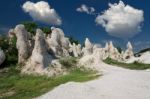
column 134, row 66
column 13, row 85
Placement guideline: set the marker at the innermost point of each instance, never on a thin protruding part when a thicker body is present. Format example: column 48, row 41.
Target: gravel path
column 116, row 83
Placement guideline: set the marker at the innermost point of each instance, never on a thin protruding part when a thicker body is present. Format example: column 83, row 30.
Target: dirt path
column 116, row 83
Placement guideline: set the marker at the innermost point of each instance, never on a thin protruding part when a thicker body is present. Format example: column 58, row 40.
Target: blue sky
column 79, row 24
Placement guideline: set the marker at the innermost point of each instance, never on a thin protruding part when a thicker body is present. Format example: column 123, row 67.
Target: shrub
column 30, row 27
column 46, row 30
column 10, row 51
column 68, row 61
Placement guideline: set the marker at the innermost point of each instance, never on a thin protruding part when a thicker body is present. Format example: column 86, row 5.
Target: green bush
column 46, row 30
column 68, row 61
column 10, row 50
column 30, row 27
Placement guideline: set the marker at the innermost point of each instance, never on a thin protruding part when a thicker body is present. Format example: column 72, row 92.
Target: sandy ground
column 116, row 83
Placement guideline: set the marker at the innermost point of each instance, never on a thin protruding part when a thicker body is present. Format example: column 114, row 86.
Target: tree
column 10, row 50
column 30, row 27
column 46, row 30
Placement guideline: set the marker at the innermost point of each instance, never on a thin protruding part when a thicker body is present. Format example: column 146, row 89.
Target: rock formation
column 88, row 49
column 40, row 57
column 2, row 56
column 41, row 53
column 129, row 52
column 22, row 43
column 58, row 43
column 11, row 33
column 75, row 50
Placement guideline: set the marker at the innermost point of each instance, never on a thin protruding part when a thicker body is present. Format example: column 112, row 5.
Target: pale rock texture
column 144, row 58
column 75, row 50
column 88, row 49
column 22, row 43
column 11, row 33
column 40, row 57
column 129, row 52
column 58, row 43
column 42, row 61
column 2, row 56
column 113, row 52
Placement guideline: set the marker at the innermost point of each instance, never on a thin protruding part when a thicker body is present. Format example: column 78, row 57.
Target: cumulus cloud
column 42, row 12
column 84, row 8
column 121, row 20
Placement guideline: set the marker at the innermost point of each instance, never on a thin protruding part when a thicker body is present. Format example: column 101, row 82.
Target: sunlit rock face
column 129, row 52
column 2, row 56
column 88, row 48
column 111, row 51
column 22, row 43
column 11, row 33
column 92, row 54
column 58, row 43
column 75, row 50
column 40, row 57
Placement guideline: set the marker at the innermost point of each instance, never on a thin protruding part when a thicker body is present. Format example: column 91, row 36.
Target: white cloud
column 42, row 12
column 121, row 20
column 86, row 9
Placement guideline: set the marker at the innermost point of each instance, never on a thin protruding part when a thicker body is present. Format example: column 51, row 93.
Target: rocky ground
column 116, row 83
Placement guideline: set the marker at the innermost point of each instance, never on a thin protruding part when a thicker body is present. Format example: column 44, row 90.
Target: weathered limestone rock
column 11, row 33
column 40, row 57
column 75, row 50
column 98, row 55
column 129, row 52
column 2, row 56
column 88, row 49
column 58, row 43
column 22, row 43
column 79, row 51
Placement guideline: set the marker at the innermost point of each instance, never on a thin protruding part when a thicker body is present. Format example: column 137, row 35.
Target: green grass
column 13, row 85
column 133, row 66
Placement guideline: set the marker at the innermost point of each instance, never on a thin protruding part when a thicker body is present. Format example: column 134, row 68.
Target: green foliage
column 135, row 66
column 10, row 50
column 46, row 30
column 68, row 61
column 29, row 86
column 72, row 40
column 4, row 43
column 30, row 27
